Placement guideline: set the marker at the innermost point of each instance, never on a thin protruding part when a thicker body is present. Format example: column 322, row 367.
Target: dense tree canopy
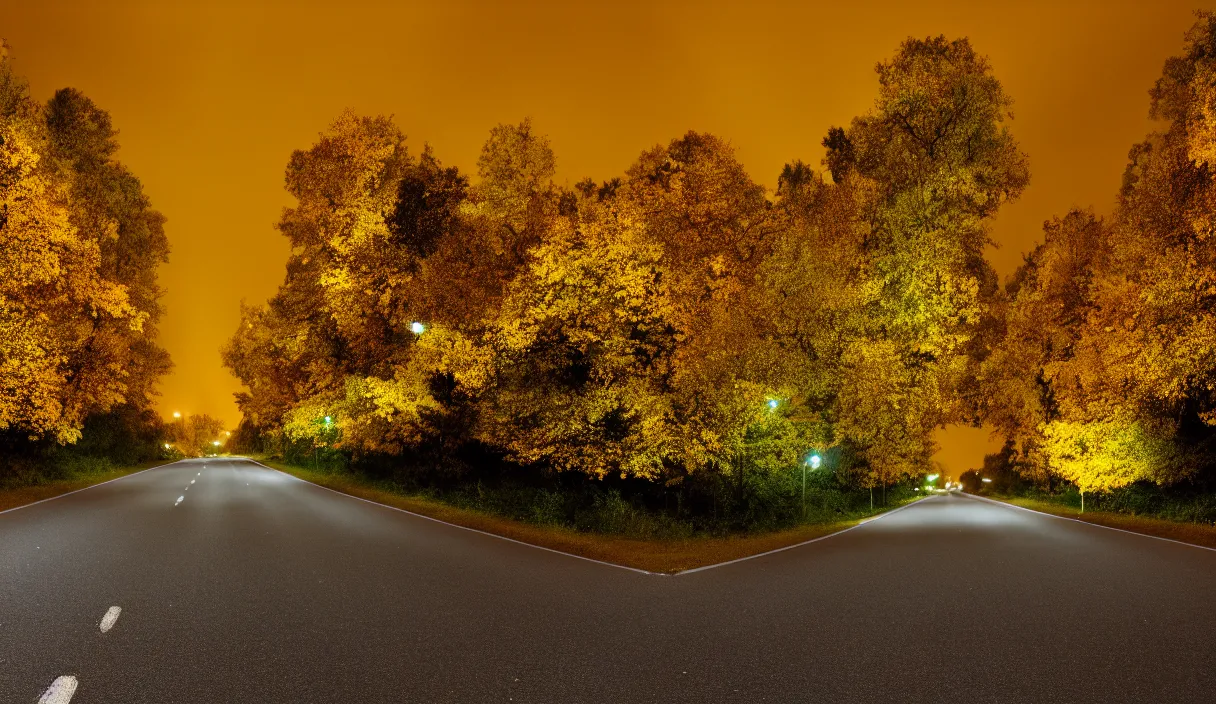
column 674, row 321
column 680, row 320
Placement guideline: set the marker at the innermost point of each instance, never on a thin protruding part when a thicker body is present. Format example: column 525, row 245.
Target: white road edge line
column 1087, row 523
column 107, row 621
column 92, row 486
column 454, row 525
column 580, row 557
column 863, row 522
column 60, row 691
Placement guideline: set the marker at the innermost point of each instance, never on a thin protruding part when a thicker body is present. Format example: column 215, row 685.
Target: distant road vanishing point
column 219, row 580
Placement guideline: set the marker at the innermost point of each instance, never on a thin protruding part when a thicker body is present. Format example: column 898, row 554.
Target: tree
column 196, row 435
column 1109, row 359
column 891, row 292
column 108, row 206
column 58, row 307
column 1049, row 299
column 584, row 344
column 714, row 227
column 674, row 323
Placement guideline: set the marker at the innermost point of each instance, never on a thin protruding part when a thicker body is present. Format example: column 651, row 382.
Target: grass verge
column 652, row 555
column 13, row 497
column 1194, row 533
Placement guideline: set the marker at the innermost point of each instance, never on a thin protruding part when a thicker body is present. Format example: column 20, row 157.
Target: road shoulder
column 1198, row 534
column 21, row 496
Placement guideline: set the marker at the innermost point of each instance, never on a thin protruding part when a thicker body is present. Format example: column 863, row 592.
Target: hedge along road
column 223, row 581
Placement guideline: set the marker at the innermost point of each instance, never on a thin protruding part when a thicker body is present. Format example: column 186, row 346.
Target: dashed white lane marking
column 107, row 621
column 179, row 500
column 193, row 480
column 200, row 474
column 60, row 691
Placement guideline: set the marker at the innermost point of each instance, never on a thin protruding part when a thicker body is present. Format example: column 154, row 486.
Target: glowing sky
column 212, row 98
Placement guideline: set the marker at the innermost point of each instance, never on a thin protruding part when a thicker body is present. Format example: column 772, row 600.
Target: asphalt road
column 257, row 587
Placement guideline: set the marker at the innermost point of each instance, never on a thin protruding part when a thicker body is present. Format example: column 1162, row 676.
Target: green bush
column 1183, row 503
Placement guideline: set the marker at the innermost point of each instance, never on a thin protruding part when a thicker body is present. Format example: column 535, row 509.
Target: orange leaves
column 55, row 301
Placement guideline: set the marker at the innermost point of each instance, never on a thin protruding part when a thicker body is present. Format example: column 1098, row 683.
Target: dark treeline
column 79, row 301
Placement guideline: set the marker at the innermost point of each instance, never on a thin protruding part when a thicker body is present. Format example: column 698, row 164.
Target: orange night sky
column 212, row 98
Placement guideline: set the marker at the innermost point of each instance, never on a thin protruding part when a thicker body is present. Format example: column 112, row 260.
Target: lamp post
column 813, row 461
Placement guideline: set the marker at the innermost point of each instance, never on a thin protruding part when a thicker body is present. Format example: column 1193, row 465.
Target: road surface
column 257, row 587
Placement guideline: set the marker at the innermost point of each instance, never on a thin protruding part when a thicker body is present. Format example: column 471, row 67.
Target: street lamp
column 986, row 480
column 417, row 328
column 177, row 414
column 773, row 403
column 814, row 461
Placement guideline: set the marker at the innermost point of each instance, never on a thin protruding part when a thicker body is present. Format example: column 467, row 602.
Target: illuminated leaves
column 1108, row 366
column 68, row 325
column 584, row 342
column 674, row 321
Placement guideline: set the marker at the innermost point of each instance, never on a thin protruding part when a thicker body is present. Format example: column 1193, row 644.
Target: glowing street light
column 328, row 420
column 177, row 414
column 814, row 461
column 417, row 328
column 168, row 446
column 986, row 480
column 932, row 477
column 773, row 403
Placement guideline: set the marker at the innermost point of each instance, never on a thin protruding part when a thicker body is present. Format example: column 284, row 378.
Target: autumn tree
column 110, row 208
column 341, row 307
column 1047, row 302
column 676, row 322
column 891, row 320
column 625, row 347
column 583, row 347
column 398, row 266
column 196, row 435
column 79, row 246
column 1133, row 395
